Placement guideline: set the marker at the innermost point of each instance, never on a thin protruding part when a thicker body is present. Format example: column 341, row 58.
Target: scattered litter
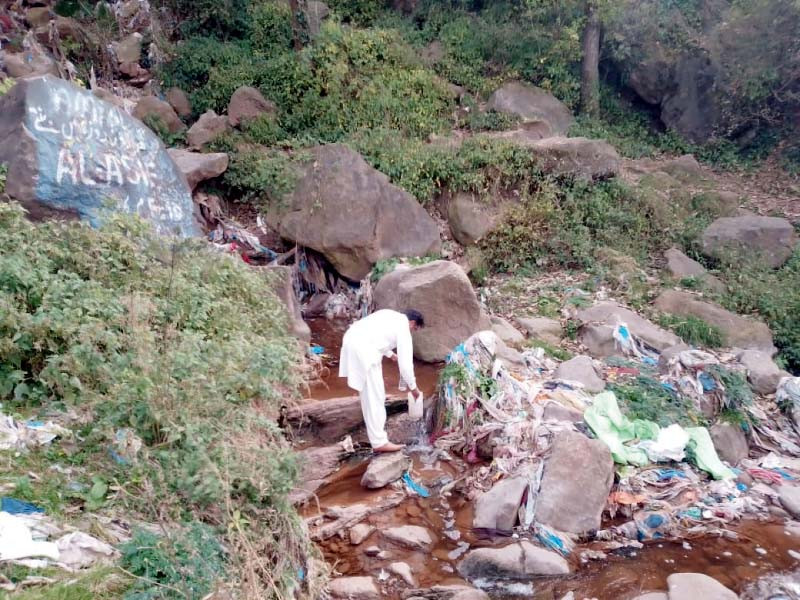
column 19, row 436
column 318, row 350
column 16, row 540
column 126, row 446
column 414, row 486
column 560, row 542
column 79, row 550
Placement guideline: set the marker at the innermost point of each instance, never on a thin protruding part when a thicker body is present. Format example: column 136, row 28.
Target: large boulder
column 197, row 167
column 352, row 214
column 542, row 328
column 34, row 60
column 354, row 588
column 246, row 104
column 576, row 482
column 151, row 107
column 208, row 127
column 737, row 331
column 532, row 105
column 129, row 48
column 729, row 442
column 771, row 238
column 179, row 101
column 599, row 321
column 497, row 509
column 681, row 266
column 71, row 153
column 282, row 280
column 384, row 469
column 762, row 373
column 691, row 586
column 576, row 156
column 507, row 333
column 442, row 292
column 580, row 369
column 520, row 561
column 470, row 218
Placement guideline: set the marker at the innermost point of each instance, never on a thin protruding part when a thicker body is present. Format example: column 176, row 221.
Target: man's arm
column 405, row 358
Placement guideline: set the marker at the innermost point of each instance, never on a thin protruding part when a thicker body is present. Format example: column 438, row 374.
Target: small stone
column 372, row 551
column 152, row 107
column 354, row 588
column 506, row 331
column 761, row 551
column 208, row 127
column 498, row 508
column 794, row 554
column 410, row 536
column 360, row 532
column 690, row 586
column 542, row 328
column 246, row 104
column 403, row 571
column 789, row 496
column 581, row 370
column 129, row 48
column 179, row 101
column 384, row 469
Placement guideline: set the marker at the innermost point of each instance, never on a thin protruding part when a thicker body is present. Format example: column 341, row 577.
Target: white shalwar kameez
column 365, row 344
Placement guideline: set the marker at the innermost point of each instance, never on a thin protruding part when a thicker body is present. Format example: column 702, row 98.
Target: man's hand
column 392, row 357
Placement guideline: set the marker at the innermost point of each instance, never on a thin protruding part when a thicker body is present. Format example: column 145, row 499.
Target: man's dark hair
column 416, row 316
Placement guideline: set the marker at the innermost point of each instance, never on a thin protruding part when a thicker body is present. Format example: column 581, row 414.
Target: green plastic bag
column 702, row 453
column 614, row 428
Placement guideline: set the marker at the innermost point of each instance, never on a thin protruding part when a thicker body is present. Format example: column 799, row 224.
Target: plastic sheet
column 702, row 453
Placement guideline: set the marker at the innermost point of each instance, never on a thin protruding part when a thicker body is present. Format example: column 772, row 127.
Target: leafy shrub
column 3, row 177
column 185, row 565
column 645, row 398
column 360, row 12
column 260, row 176
column 157, row 126
column 694, row 331
column 186, row 347
column 271, row 27
column 223, row 19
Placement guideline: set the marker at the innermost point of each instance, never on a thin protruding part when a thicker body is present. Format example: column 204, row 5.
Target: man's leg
column 373, row 407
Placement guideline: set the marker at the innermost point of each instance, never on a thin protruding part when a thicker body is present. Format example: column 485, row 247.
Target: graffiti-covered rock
column 70, row 153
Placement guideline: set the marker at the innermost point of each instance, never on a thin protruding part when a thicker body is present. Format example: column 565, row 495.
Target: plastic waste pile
column 22, row 435
column 670, row 481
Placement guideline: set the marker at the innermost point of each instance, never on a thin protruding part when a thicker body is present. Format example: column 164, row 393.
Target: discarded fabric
column 16, row 540
column 13, row 506
column 78, row 550
column 414, row 486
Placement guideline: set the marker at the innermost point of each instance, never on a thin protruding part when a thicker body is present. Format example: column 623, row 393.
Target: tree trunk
column 590, row 75
column 295, row 8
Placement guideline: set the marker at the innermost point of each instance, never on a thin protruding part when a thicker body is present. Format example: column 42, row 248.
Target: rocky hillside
column 325, row 145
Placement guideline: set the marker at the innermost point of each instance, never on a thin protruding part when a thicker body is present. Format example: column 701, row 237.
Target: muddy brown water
column 761, row 547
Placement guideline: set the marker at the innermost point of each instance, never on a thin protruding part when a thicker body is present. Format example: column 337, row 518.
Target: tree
column 590, row 61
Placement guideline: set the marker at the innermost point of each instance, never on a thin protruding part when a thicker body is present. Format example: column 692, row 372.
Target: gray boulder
column 281, row 278
column 576, row 482
column 354, row 588
column 520, row 561
column 498, row 508
column 248, row 103
column 384, row 469
column 506, row 331
column 553, row 411
column 771, row 238
column 33, row 61
column 730, row 442
column 581, row 370
column 410, row 536
column 129, row 48
column 737, row 331
column 691, row 586
column 151, row 107
column 762, row 373
column 179, row 101
column 351, row 213
column 470, row 218
column 681, row 266
column 789, row 496
column 69, row 153
column 209, row 126
column 197, row 167
column 316, row 13
column 542, row 328
column 532, row 105
column 441, row 291
column 599, row 321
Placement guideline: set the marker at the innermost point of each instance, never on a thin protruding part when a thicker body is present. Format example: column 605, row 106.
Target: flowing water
column 761, row 548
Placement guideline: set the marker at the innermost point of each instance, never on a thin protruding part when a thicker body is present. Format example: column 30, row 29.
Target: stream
column 761, row 548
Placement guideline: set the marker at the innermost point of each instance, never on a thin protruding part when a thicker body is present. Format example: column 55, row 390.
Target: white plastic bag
column 415, row 406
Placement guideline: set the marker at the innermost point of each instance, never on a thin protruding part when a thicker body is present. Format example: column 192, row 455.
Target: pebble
column 453, row 534
column 687, row 546
column 726, row 553
column 752, row 564
column 794, row 555
column 449, row 524
column 460, row 549
column 761, row 551
column 447, row 569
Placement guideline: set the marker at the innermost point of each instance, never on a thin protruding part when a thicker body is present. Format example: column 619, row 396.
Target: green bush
column 223, row 19
column 645, row 398
column 185, row 346
column 262, row 177
column 359, row 12
column 271, row 27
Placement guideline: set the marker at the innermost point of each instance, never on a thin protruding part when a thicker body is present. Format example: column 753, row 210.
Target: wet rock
column 151, row 107
column 385, row 469
column 576, row 482
column 520, row 561
column 372, row 551
column 248, row 103
column 403, row 571
column 581, row 370
column 448, row 592
column 470, row 218
column 772, row 238
column 318, row 463
column 209, row 126
column 542, row 328
column 506, row 331
column 282, row 284
column 351, row 213
column 600, row 320
column 129, row 48
column 354, row 588
column 197, row 167
column 737, row 331
column 553, row 411
column 316, row 13
column 789, row 496
column 681, row 266
column 360, row 532
column 762, row 373
column 497, row 508
column 179, row 101
column 442, row 292
column 691, row 586
column 70, row 153
column 410, row 536
column 532, row 105
column 577, row 156
column 730, row 442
